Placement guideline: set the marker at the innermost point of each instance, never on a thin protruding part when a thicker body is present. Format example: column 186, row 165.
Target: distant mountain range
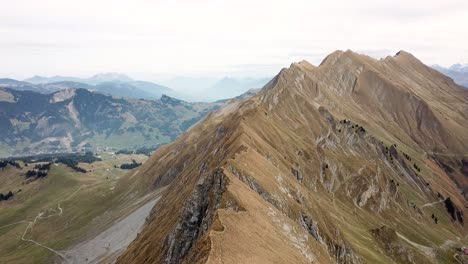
column 212, row 89
column 108, row 83
column 79, row 119
column 204, row 89
column 458, row 72
column 231, row 87
column 95, row 79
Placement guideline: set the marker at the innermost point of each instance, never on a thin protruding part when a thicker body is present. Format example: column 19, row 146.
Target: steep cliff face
column 314, row 168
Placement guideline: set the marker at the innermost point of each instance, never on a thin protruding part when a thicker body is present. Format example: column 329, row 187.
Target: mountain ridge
column 321, row 166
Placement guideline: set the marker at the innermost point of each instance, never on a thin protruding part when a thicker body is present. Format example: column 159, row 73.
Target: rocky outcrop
column 297, row 174
column 197, row 217
column 336, row 245
column 255, row 186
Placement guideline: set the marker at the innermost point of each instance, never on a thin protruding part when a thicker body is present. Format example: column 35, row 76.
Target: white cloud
column 153, row 38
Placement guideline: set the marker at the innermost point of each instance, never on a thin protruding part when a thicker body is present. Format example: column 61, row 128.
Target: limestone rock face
column 347, row 162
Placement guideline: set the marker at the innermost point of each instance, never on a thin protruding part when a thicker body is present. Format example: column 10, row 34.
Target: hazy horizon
column 161, row 40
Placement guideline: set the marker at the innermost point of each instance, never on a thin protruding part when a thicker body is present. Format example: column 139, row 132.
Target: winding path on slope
column 425, row 155
column 455, row 256
column 428, row 251
column 106, row 245
column 432, row 204
column 30, row 226
column 40, row 217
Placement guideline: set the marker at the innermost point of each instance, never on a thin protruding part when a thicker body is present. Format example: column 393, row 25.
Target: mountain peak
column 305, row 64
column 404, row 54
column 332, row 57
column 340, row 57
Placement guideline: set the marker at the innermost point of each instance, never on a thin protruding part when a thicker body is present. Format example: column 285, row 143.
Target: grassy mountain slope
column 64, row 208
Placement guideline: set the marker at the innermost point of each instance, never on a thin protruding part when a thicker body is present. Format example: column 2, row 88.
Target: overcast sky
column 151, row 39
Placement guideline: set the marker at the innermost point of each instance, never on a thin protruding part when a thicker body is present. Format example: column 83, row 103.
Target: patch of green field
column 89, row 202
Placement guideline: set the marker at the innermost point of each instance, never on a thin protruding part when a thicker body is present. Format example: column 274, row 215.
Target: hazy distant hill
column 75, row 119
column 40, row 79
column 458, row 72
column 95, row 79
column 204, row 89
column 212, row 89
column 231, row 87
column 111, row 84
column 23, row 86
column 134, row 89
column 187, row 84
